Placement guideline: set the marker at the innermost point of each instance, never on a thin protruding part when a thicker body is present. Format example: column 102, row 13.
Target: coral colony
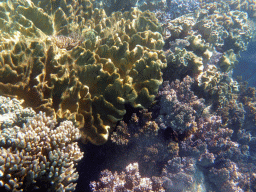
column 151, row 79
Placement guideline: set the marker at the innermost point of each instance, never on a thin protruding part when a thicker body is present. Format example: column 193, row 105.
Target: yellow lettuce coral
column 87, row 68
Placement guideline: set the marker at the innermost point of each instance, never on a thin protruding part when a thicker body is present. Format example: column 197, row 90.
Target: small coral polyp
column 87, row 78
column 65, row 42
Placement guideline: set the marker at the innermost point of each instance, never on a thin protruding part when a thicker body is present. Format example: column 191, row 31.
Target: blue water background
column 247, row 65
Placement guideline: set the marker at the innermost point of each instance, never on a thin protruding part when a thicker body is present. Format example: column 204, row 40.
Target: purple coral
column 130, row 180
column 182, row 174
column 179, row 107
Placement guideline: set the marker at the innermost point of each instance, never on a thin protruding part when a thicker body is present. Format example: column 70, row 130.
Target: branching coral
column 37, row 154
column 129, row 180
column 179, row 106
column 143, row 126
column 182, row 174
column 140, row 142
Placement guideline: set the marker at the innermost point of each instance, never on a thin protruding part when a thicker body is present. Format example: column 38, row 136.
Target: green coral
column 228, row 61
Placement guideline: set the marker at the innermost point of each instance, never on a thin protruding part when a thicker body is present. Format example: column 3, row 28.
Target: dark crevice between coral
column 170, row 134
column 108, row 156
column 115, row 157
column 167, row 45
column 130, row 110
column 96, row 159
column 210, row 99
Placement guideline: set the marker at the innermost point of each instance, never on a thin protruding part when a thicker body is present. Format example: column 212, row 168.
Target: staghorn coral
column 87, row 78
column 38, row 154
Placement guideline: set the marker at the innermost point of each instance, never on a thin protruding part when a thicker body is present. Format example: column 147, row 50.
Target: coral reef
column 141, row 134
column 138, row 126
column 12, row 113
column 39, row 154
column 174, row 9
column 207, row 32
column 217, row 87
column 244, row 5
column 213, row 156
column 112, row 6
column 91, row 70
column 219, row 152
column 130, row 180
column 179, row 174
column 179, row 106
column 84, row 70
column 182, row 174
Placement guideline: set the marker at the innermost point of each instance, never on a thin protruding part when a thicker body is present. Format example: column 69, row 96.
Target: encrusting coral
column 80, row 64
column 38, row 154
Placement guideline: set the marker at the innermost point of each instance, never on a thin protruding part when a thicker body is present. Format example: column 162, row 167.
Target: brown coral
column 89, row 79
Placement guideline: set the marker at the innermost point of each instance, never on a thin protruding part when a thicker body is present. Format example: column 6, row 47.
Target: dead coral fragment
column 66, row 42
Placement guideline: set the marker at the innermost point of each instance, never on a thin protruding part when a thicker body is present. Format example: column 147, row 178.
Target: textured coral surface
column 35, row 152
column 152, row 80
column 78, row 64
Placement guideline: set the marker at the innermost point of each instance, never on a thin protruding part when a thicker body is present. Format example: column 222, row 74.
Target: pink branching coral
column 138, row 126
column 130, row 180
